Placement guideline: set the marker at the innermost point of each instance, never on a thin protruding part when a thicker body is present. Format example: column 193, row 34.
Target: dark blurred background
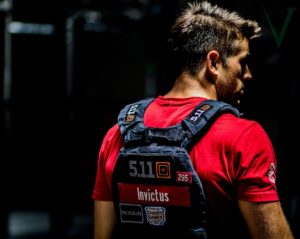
column 68, row 66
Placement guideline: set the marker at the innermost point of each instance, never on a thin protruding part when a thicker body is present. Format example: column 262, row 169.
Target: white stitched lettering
column 152, row 196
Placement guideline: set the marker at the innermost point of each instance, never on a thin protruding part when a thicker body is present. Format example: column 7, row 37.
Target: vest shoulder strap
column 132, row 128
column 133, row 114
column 202, row 117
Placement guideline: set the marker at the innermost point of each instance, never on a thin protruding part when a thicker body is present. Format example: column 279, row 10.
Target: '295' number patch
column 184, row 177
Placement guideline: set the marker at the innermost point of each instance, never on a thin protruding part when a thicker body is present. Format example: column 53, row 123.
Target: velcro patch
column 154, row 195
column 131, row 113
column 198, row 112
column 131, row 213
column 156, row 216
column 184, row 177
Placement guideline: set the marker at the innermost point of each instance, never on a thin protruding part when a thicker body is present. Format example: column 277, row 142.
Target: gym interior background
column 66, row 69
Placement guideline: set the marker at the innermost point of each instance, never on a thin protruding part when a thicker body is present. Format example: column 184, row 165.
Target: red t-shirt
column 235, row 158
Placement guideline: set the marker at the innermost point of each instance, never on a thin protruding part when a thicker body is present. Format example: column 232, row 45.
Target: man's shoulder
column 232, row 131
column 238, row 124
column 112, row 134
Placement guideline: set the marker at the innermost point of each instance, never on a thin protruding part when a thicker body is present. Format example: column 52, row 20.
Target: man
column 235, row 158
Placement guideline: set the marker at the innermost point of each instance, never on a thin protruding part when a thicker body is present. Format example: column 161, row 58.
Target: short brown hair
column 203, row 27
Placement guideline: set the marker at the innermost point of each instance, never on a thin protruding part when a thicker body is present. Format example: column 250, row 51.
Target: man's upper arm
column 104, row 219
column 265, row 220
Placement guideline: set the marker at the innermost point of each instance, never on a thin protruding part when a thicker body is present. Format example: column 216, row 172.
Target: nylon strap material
column 132, row 128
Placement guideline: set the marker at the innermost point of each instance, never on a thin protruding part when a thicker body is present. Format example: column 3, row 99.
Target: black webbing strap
column 132, row 128
column 202, row 116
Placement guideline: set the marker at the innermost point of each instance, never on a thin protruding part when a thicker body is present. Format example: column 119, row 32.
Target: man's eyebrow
column 246, row 57
column 246, row 60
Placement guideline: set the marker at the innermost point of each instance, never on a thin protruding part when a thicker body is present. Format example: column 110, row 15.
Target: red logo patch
column 184, row 177
column 154, row 195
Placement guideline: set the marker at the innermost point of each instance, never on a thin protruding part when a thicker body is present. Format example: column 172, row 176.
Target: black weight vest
column 156, row 191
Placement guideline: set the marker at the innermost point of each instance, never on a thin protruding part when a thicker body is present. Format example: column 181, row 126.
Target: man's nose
column 247, row 74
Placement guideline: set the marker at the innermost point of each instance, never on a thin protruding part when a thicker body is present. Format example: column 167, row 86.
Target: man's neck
column 189, row 86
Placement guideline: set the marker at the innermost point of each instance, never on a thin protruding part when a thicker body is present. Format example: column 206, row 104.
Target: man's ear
column 213, row 60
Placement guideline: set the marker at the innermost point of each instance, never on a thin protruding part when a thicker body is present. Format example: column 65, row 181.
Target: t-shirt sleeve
column 256, row 173
column 106, row 161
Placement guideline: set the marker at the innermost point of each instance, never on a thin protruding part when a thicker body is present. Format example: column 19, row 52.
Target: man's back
column 221, row 158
